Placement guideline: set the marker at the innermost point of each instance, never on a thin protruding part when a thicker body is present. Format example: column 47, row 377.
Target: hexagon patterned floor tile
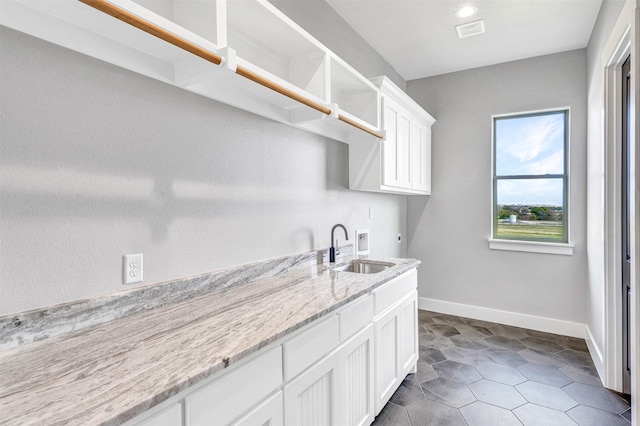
column 501, row 373
column 588, row 416
column 429, row 412
column 493, row 393
column 430, row 355
column 505, row 343
column 535, row 415
column 448, row 392
column 541, row 344
column 546, row 396
column 459, row 372
column 508, row 331
column 474, row 330
column 469, row 342
column 544, row 374
column 444, row 330
column 542, row 358
column 508, row 358
column 465, row 356
column 482, row 414
column 582, row 374
column 596, row 397
column 473, row 372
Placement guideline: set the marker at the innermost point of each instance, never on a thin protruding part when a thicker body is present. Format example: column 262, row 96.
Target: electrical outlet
column 399, row 238
column 132, row 268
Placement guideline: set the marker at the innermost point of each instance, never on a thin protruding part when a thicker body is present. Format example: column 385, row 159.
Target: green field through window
column 538, row 231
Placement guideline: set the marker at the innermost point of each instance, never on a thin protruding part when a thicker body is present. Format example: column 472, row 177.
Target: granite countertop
column 110, row 372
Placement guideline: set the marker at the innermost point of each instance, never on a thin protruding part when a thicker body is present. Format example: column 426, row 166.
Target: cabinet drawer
column 309, row 346
column 391, row 292
column 232, row 394
column 170, row 416
column 355, row 317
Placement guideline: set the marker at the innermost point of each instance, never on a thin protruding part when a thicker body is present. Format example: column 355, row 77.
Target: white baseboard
column 596, row 355
column 531, row 322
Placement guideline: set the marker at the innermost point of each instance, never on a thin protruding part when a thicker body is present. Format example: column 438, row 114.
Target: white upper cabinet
column 401, row 162
column 421, row 157
column 245, row 53
column 396, row 147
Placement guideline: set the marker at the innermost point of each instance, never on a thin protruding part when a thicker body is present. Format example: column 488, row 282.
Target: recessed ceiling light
column 466, row 11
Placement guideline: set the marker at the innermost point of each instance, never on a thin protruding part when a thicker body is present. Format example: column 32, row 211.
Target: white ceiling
column 418, row 37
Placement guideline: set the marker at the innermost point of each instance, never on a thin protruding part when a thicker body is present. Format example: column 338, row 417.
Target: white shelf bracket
column 335, row 110
column 229, row 59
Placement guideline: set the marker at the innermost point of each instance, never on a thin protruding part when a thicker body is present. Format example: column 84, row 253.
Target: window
column 530, row 177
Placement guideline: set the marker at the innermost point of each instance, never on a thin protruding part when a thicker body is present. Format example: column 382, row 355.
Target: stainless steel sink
column 361, row 266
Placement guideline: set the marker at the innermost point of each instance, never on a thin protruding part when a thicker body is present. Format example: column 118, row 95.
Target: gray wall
column 97, row 162
column 450, row 229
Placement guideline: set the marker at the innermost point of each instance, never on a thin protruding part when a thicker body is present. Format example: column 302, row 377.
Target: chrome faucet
column 332, row 250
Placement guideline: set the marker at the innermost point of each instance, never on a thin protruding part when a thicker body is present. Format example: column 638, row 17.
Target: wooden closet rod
column 282, row 90
column 131, row 19
column 360, row 126
column 153, row 29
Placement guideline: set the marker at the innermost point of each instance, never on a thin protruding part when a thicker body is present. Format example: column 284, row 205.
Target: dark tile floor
column 474, row 372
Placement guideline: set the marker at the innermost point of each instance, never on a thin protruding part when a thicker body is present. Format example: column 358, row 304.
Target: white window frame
column 532, row 246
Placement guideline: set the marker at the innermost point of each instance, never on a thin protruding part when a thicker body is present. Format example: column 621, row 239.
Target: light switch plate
column 132, row 268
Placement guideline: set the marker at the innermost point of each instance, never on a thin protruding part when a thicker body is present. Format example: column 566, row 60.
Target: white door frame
column 624, row 40
column 613, row 121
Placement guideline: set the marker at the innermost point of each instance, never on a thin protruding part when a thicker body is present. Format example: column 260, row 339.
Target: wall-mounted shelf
column 245, row 53
column 262, row 36
column 76, row 26
column 205, row 19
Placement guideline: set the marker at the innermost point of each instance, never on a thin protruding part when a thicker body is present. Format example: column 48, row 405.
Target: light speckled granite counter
column 131, row 356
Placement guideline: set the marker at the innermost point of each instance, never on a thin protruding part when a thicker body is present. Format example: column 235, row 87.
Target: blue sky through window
column 530, row 145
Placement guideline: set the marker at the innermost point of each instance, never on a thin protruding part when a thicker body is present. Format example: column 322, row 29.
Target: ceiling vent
column 470, row 29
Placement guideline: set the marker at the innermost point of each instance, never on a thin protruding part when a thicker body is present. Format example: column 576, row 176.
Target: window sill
column 532, row 246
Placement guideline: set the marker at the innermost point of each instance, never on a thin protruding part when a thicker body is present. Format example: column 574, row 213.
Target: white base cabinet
column 396, row 339
column 339, row 370
column 401, row 162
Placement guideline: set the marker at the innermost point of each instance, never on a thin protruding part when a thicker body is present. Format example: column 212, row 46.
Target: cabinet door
column 408, row 339
column 387, row 374
column 396, row 146
column 269, row 413
column 396, row 347
column 356, row 380
column 311, row 399
column 421, row 157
